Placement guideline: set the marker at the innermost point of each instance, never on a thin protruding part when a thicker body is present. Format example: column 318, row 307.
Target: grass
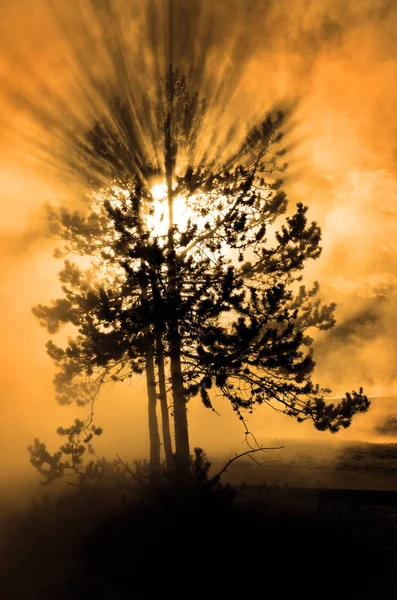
column 113, row 543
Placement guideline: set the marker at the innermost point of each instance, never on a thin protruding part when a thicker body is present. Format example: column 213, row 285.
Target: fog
column 332, row 64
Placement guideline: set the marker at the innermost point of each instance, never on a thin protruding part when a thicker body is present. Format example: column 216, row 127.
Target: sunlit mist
column 331, row 66
column 157, row 219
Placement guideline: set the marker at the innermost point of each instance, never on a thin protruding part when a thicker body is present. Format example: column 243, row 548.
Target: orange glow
column 332, row 66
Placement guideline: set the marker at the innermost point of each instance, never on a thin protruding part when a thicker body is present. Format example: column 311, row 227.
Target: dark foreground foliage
column 108, row 542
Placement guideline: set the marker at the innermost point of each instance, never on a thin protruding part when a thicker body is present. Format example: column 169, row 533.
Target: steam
column 333, row 64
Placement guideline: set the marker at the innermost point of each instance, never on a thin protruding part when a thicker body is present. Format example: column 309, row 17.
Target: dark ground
column 104, row 543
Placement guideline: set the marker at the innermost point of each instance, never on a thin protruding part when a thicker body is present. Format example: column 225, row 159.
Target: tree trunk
column 165, row 417
column 182, row 452
column 158, row 308
column 154, row 437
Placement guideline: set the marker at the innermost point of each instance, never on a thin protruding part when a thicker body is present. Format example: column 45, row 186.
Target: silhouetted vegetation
column 213, row 303
column 116, row 540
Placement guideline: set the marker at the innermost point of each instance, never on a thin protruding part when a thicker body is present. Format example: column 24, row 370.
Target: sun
column 156, row 208
column 157, row 219
column 159, row 192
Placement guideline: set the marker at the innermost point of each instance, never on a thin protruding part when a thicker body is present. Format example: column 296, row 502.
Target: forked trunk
column 154, row 437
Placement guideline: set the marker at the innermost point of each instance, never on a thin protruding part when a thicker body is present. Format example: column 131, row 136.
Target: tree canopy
column 214, row 300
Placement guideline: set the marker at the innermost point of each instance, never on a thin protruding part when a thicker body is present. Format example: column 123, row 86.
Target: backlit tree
column 214, row 300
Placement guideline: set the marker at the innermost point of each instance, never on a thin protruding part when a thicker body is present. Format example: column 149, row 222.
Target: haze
column 334, row 65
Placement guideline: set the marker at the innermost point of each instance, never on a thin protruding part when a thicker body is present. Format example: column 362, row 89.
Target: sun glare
column 157, row 221
column 159, row 192
column 156, row 209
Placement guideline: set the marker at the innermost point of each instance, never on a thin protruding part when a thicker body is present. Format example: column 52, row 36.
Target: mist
column 331, row 65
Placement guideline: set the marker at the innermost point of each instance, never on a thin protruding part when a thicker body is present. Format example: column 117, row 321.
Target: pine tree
column 219, row 298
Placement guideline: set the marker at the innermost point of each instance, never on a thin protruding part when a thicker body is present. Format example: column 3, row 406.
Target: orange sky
column 336, row 64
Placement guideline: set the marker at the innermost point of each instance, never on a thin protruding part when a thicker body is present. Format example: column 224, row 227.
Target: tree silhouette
column 218, row 298
column 108, row 155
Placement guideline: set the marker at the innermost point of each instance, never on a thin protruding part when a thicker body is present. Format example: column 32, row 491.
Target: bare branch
column 247, row 453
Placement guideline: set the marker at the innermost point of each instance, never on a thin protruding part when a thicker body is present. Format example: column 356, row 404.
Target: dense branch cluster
column 221, row 292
